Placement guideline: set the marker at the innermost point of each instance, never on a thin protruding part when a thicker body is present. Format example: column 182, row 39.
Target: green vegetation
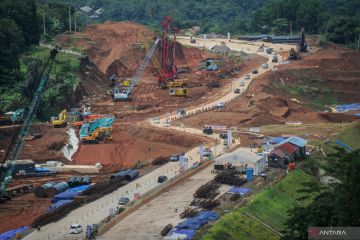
column 336, row 206
column 339, row 20
column 21, row 62
column 308, row 87
column 63, row 80
column 270, row 206
column 237, row 225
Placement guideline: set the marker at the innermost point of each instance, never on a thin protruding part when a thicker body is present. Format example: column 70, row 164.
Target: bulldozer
column 61, row 120
column 181, row 92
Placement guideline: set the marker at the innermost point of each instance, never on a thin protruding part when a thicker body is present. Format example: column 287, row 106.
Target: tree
column 339, row 206
column 11, row 44
column 23, row 13
column 341, row 29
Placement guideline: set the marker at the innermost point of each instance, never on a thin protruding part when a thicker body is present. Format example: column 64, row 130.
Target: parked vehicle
column 75, row 229
column 166, row 124
column 237, row 90
column 255, row 71
column 264, row 65
column 242, row 84
column 123, row 201
column 208, row 131
column 247, row 77
column 223, row 135
column 162, row 179
column 274, row 59
column 207, row 152
column 156, row 120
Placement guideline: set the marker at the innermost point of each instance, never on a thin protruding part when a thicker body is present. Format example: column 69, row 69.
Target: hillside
column 270, row 206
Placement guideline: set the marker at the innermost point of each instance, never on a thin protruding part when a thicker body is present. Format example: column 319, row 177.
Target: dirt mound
column 131, row 144
column 119, row 47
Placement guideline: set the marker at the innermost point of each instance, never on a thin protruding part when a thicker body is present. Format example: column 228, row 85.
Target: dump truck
column 181, row 92
column 61, row 120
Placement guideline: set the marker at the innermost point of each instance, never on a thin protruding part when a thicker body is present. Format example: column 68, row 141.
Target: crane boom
column 19, row 142
column 123, row 94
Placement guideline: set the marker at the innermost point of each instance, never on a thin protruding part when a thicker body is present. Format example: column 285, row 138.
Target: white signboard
column 255, row 129
column 229, row 138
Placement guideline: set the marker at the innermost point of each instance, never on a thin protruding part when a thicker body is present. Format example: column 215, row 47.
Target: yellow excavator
column 61, row 120
column 100, row 134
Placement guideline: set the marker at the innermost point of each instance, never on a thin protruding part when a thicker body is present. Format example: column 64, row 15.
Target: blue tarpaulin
column 70, row 193
column 41, row 169
column 12, row 233
column 239, row 190
column 348, row 107
column 276, row 140
column 344, row 145
column 189, row 233
column 58, row 204
column 197, row 221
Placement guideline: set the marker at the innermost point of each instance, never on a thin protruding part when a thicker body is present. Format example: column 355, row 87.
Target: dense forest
column 22, row 27
column 338, row 20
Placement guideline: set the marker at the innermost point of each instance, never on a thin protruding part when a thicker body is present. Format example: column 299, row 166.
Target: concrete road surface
column 148, row 221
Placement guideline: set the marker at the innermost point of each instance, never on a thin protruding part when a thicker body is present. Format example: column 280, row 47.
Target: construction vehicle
column 60, row 121
column 177, row 84
column 99, row 134
column 181, row 92
column 12, row 117
column 293, row 55
column 98, row 130
column 302, row 46
column 30, row 114
column 122, row 93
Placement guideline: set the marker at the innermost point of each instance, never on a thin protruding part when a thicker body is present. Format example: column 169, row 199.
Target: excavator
column 28, row 118
column 99, row 134
column 61, row 120
column 301, row 47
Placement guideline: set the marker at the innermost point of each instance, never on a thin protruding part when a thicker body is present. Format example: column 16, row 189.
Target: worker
column 176, row 209
column 38, row 227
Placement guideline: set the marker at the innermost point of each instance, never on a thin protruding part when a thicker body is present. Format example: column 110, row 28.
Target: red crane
column 168, row 69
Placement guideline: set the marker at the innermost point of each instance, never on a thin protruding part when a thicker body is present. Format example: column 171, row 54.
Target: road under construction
column 108, row 139
column 96, row 211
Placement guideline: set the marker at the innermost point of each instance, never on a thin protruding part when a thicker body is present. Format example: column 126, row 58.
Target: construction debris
column 229, row 178
column 208, row 190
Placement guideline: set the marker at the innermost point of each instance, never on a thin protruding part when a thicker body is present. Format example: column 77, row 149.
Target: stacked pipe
column 78, row 181
column 128, row 174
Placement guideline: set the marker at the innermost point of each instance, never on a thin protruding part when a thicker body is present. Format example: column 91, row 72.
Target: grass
column 325, row 129
column 270, row 206
column 236, row 225
column 309, row 88
column 43, row 53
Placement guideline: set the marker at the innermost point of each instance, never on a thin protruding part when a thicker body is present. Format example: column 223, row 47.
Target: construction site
column 176, row 127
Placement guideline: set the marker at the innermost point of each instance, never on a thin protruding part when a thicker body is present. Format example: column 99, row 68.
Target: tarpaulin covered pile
column 58, row 204
column 12, row 233
column 70, row 193
column 348, row 107
column 239, row 190
column 189, row 226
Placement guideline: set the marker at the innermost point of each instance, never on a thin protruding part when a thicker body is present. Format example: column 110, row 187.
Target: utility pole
column 359, row 43
column 70, row 18
column 75, row 21
column 44, row 21
column 290, row 28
